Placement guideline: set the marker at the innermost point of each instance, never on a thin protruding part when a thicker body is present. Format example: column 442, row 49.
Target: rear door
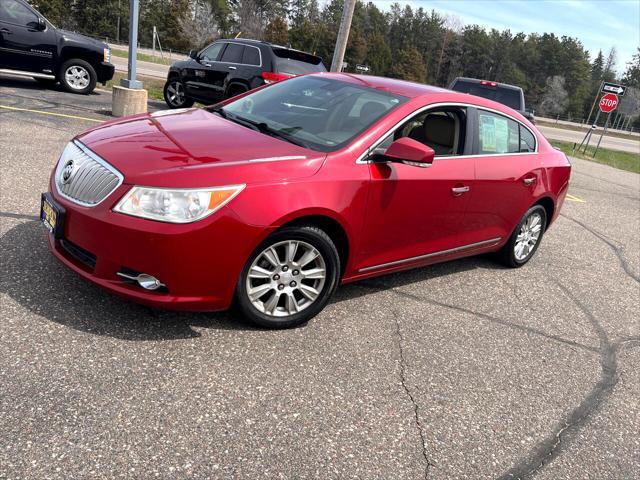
column 23, row 46
column 507, row 174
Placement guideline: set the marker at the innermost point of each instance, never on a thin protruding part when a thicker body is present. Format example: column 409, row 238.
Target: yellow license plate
column 49, row 215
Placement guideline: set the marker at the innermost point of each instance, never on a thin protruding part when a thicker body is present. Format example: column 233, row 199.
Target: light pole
column 130, row 81
column 343, row 35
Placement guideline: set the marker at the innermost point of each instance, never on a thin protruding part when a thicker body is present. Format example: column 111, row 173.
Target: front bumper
column 199, row 263
column 105, row 72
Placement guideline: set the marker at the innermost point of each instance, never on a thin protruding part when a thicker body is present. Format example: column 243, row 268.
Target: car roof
column 391, row 85
column 251, row 41
column 478, row 80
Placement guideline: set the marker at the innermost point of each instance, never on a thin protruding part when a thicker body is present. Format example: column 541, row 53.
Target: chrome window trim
column 97, row 159
column 245, row 64
column 362, row 159
column 490, row 242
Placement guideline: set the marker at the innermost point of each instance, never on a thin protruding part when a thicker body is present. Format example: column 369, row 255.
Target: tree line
column 556, row 73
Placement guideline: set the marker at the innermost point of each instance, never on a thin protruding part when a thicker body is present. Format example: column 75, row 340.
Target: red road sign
column 608, row 102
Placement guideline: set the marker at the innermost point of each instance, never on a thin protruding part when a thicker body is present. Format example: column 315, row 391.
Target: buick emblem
column 67, row 171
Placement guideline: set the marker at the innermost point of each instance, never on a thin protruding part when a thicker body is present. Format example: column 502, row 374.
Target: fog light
column 148, row 282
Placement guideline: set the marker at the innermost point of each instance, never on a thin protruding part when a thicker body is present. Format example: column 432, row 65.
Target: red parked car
column 275, row 197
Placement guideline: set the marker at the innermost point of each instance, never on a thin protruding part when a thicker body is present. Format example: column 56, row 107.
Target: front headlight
column 176, row 205
column 107, row 55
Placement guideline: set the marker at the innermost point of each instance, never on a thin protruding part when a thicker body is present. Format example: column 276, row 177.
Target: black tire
column 46, row 82
column 508, row 253
column 88, row 76
column 234, row 90
column 175, row 94
column 319, row 240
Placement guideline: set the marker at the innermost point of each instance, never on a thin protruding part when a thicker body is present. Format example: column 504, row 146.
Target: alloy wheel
column 175, row 94
column 528, row 236
column 77, row 77
column 286, row 278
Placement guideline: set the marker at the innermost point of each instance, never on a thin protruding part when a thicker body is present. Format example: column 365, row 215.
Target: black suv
column 31, row 46
column 508, row 95
column 227, row 68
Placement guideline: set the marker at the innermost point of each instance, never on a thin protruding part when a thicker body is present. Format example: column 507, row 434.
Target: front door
column 199, row 77
column 23, row 46
column 415, row 211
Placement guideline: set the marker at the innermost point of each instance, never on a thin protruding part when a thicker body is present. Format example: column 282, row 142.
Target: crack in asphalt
column 619, row 251
column 403, row 381
column 606, row 181
column 492, row 319
column 548, row 449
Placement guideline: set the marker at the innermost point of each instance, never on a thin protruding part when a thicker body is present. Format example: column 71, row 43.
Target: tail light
column 487, row 83
column 271, row 77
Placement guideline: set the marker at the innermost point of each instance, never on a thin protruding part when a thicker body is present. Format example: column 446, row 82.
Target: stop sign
column 608, row 102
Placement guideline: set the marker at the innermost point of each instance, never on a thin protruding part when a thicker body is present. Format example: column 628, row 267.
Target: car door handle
column 6, row 30
column 459, row 190
column 529, row 181
column 232, row 68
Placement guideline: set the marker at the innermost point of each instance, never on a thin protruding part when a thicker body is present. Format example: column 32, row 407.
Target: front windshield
column 314, row 111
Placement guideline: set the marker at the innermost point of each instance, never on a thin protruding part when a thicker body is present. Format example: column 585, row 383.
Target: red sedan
column 273, row 198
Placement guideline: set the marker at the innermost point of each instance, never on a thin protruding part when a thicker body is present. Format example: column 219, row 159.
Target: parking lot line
column 573, row 198
column 86, row 119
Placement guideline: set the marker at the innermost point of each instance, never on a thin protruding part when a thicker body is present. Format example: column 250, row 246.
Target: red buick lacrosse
column 271, row 199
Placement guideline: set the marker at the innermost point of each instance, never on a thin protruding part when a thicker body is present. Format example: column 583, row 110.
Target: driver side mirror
column 42, row 26
column 410, row 152
column 193, row 54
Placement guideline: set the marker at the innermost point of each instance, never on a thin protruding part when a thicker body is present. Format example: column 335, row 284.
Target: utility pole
column 118, row 25
column 343, row 35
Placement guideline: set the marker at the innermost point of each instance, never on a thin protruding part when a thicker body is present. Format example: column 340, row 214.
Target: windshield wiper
column 266, row 129
column 220, row 111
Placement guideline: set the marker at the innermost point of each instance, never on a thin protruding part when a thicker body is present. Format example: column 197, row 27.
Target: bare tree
column 251, row 21
column 555, row 98
column 200, row 26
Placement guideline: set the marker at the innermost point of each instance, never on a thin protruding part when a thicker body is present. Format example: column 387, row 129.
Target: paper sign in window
column 494, row 134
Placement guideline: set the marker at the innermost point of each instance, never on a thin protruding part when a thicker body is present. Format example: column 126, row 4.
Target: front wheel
column 525, row 238
column 175, row 94
column 289, row 278
column 78, row 76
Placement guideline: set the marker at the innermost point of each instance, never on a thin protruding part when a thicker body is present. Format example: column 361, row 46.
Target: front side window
column 319, row 113
column 498, row 134
column 442, row 129
column 211, row 53
column 16, row 13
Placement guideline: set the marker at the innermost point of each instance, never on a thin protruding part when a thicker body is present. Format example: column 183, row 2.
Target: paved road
column 149, row 69
column 460, row 370
column 614, row 143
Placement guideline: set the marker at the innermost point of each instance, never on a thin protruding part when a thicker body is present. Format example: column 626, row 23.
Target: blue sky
column 598, row 24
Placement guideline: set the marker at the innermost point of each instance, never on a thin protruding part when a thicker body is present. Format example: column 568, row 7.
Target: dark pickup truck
column 31, row 46
column 509, row 95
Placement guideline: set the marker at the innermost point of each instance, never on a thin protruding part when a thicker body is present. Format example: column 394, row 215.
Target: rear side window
column 511, row 97
column 527, row 140
column 251, row 56
column 233, row 53
column 14, row 12
column 498, row 134
column 296, row 63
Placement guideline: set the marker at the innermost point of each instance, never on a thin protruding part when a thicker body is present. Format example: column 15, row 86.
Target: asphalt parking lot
column 459, row 370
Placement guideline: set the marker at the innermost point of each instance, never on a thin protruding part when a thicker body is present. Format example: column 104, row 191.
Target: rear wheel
column 289, row 278
column 525, row 238
column 235, row 90
column 78, row 76
column 175, row 94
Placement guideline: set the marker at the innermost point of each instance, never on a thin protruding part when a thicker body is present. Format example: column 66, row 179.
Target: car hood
column 196, row 148
column 82, row 39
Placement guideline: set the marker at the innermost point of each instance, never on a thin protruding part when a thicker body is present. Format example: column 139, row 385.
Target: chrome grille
column 83, row 177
